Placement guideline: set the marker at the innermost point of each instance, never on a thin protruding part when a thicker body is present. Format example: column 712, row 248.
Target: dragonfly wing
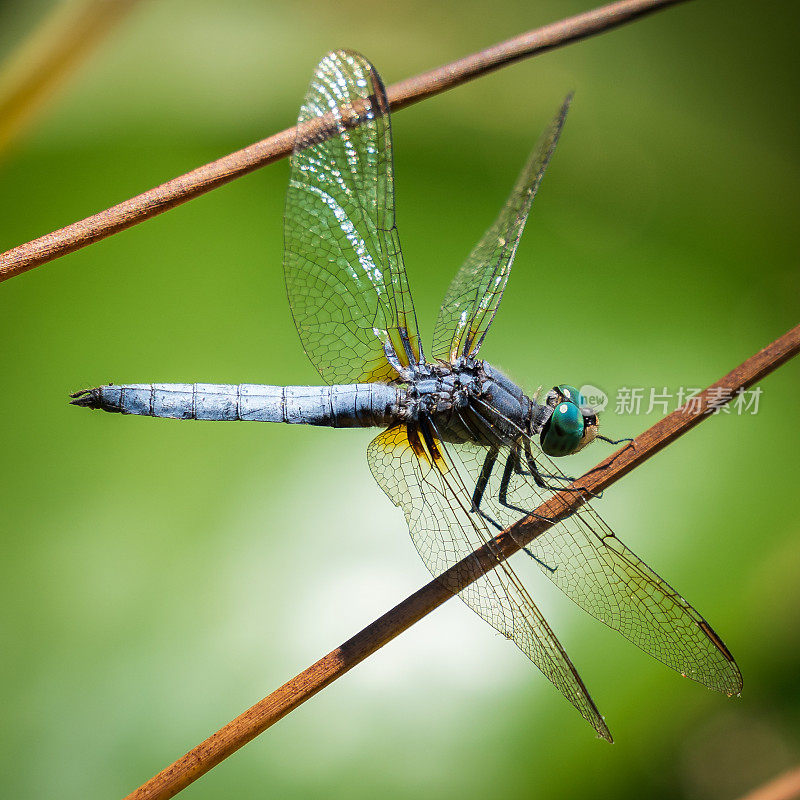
column 435, row 496
column 345, row 278
column 584, row 558
column 474, row 294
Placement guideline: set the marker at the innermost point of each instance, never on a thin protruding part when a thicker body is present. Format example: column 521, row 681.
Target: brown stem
column 785, row 787
column 282, row 701
column 204, row 179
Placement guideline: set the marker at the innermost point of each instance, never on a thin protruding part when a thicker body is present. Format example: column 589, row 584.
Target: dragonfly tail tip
column 88, row 398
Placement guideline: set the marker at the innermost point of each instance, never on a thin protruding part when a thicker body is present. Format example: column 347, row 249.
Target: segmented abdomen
column 341, row 406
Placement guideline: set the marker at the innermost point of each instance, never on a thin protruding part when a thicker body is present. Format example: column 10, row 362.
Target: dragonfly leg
column 616, row 455
column 483, row 482
column 513, row 466
column 483, row 478
column 538, row 477
column 616, row 441
column 534, row 472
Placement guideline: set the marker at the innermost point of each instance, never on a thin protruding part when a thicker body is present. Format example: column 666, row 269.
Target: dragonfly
column 463, row 450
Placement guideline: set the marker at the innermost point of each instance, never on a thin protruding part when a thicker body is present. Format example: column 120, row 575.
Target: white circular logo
column 594, row 397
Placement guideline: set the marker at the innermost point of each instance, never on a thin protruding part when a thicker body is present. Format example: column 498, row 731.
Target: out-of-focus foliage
column 158, row 577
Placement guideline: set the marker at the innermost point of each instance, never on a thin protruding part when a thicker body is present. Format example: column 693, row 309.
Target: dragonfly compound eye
column 562, row 433
column 572, row 425
column 571, row 394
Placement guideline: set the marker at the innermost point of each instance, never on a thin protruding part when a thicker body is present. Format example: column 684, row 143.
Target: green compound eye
column 571, row 426
column 572, row 394
column 562, row 434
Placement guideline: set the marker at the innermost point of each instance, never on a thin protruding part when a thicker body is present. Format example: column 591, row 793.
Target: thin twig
column 44, row 60
column 784, row 787
column 217, row 173
column 303, row 686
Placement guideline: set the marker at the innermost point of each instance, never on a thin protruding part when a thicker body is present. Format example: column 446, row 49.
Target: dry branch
column 785, row 787
column 282, row 701
column 203, row 179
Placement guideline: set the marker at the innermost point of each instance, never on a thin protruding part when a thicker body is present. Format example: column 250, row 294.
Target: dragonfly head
column 572, row 424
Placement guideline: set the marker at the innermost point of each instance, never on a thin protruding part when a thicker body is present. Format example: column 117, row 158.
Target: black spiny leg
column 534, row 473
column 513, row 466
column 483, row 482
column 538, row 478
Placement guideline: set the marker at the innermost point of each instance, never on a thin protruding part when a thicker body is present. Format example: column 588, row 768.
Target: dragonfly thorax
column 440, row 391
column 470, row 401
column 473, row 401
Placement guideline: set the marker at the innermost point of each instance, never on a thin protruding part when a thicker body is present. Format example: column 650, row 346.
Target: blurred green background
column 159, row 577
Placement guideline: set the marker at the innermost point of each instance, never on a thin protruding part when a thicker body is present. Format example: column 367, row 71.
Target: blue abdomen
column 340, row 406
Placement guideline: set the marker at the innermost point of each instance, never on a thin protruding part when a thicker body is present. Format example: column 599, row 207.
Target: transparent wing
column 584, row 558
column 436, row 501
column 472, row 299
column 345, row 277
column 605, row 578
